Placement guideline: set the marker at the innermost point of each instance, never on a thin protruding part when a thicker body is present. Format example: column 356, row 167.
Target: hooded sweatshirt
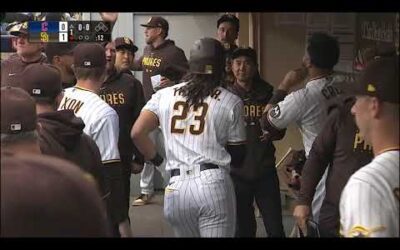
column 61, row 135
column 260, row 156
column 166, row 60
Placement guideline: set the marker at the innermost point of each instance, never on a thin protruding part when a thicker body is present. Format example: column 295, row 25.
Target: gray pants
column 201, row 204
column 147, row 175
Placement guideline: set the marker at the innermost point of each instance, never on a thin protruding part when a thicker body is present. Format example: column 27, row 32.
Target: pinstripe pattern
column 200, row 203
column 368, row 204
column 101, row 121
column 307, row 107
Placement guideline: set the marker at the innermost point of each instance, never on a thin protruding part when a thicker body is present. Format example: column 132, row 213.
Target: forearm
column 145, row 145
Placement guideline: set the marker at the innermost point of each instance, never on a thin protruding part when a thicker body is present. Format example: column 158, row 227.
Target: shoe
column 143, row 199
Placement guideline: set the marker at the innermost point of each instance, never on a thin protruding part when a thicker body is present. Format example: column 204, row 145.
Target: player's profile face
column 110, row 54
column 150, row 34
column 361, row 112
column 24, row 47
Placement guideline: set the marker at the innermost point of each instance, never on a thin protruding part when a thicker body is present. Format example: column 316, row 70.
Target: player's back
column 199, row 134
column 374, row 195
column 88, row 106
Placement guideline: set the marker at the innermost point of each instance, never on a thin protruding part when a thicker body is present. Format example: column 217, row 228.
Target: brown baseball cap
column 18, row 111
column 89, row 55
column 380, row 79
column 41, row 81
column 125, row 42
column 157, row 22
column 44, row 196
column 16, row 29
column 245, row 51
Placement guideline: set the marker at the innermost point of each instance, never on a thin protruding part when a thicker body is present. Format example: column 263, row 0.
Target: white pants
column 319, row 196
column 147, row 175
column 201, row 204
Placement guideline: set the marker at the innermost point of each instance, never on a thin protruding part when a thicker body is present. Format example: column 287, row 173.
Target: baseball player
column 124, row 94
column 369, row 204
column 307, row 106
column 27, row 53
column 125, row 55
column 101, row 121
column 198, row 119
column 163, row 64
column 257, row 178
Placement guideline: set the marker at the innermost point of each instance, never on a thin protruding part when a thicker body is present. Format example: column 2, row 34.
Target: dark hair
column 323, row 50
column 229, row 18
column 199, row 86
column 89, row 73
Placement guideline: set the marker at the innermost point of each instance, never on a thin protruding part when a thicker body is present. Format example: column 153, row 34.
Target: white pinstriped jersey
column 193, row 137
column 306, row 107
column 369, row 204
column 101, row 121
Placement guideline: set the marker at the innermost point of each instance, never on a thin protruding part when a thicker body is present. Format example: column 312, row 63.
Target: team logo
column 127, row 40
column 275, row 111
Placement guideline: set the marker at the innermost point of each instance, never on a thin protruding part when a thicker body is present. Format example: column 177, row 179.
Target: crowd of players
column 211, row 120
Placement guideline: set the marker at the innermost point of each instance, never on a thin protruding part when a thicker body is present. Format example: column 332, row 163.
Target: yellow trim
column 111, row 161
column 236, row 143
column 361, row 231
column 81, row 88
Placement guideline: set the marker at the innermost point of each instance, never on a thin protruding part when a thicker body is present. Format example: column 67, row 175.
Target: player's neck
column 89, row 85
column 157, row 42
column 40, row 109
column 25, row 147
column 385, row 138
column 315, row 73
column 246, row 85
column 30, row 58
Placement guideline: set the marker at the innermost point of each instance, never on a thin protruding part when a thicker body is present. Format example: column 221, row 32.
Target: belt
column 175, row 172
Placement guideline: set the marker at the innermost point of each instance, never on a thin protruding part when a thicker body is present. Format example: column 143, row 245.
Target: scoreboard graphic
column 74, row 31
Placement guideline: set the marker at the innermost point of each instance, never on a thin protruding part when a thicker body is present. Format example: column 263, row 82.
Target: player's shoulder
column 231, row 95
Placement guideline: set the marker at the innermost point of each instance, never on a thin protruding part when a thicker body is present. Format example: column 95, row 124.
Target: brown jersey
column 166, row 60
column 338, row 145
column 260, row 156
column 124, row 94
column 61, row 135
column 12, row 67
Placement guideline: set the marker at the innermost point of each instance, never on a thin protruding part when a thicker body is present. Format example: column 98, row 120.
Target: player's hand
column 165, row 82
column 265, row 137
column 136, row 168
column 301, row 214
column 109, row 16
column 293, row 78
column 267, row 108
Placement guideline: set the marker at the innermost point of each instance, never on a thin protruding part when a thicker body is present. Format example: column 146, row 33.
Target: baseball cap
column 380, row 79
column 18, row 28
column 89, row 55
column 41, row 81
column 59, row 49
column 18, row 111
column 245, row 51
column 44, row 196
column 229, row 18
column 125, row 42
column 157, row 22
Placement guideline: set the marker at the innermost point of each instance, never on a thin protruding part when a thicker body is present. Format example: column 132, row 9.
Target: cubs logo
column 127, row 40
column 275, row 111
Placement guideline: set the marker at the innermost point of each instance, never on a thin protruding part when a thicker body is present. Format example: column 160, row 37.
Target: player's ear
column 375, row 107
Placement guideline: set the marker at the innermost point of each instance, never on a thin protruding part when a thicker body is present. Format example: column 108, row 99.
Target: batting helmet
column 207, row 57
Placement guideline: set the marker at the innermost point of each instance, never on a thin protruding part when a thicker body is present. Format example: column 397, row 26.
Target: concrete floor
column 148, row 220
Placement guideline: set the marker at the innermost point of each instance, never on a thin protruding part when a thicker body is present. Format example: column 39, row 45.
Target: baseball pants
column 201, row 204
column 265, row 191
column 147, row 175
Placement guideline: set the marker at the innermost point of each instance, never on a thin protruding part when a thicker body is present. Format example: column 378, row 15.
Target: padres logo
column 126, row 40
column 275, row 111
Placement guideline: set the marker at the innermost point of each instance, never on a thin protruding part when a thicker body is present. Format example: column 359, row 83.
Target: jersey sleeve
column 154, row 103
column 237, row 129
column 361, row 211
column 106, row 137
column 287, row 111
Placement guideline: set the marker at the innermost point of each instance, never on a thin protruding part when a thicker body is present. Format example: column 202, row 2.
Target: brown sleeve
column 140, row 102
column 321, row 154
column 275, row 134
column 177, row 66
column 137, row 64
